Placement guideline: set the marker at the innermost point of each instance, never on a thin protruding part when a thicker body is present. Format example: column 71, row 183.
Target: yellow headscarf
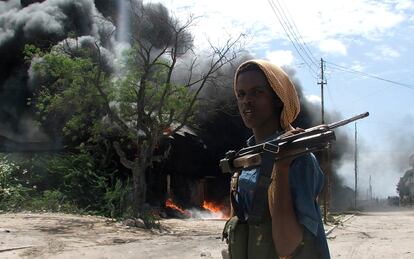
column 283, row 87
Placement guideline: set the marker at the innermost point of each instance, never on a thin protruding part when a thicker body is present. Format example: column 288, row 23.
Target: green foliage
column 67, row 100
column 13, row 193
column 164, row 103
column 150, row 218
column 31, row 51
column 76, row 98
column 54, row 201
column 78, row 179
column 116, row 200
column 14, row 198
column 65, row 183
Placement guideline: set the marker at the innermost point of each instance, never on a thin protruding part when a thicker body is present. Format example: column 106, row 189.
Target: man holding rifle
column 275, row 209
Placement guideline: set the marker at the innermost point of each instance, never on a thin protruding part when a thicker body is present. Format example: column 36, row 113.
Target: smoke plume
column 51, row 24
column 43, row 24
column 385, row 162
column 221, row 126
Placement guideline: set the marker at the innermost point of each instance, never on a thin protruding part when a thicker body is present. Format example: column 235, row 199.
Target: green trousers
column 247, row 241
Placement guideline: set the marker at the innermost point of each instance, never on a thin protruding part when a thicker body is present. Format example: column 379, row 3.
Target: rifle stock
column 310, row 140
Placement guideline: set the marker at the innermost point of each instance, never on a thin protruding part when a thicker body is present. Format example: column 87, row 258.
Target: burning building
column 190, row 176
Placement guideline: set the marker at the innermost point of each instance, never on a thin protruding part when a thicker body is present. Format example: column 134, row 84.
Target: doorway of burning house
column 189, row 176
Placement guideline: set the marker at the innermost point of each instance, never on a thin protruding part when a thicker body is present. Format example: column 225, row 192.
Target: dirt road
column 53, row 235
column 386, row 234
column 377, row 234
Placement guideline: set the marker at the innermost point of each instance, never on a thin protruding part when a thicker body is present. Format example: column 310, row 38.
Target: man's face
column 256, row 100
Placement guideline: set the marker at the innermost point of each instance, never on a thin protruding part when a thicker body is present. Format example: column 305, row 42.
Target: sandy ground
column 384, row 234
column 388, row 233
column 53, row 235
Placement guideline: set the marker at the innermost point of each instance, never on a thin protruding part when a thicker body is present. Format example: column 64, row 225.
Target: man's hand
column 286, row 231
column 282, row 165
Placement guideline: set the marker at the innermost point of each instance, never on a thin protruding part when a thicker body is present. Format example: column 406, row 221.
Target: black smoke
column 25, row 3
column 43, row 24
column 341, row 196
column 72, row 27
column 53, row 24
column 222, row 128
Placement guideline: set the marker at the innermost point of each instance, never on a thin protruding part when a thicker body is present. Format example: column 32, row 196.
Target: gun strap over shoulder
column 233, row 193
column 260, row 196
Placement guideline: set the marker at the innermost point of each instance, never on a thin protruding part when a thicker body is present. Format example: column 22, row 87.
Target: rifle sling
column 260, row 196
column 233, row 193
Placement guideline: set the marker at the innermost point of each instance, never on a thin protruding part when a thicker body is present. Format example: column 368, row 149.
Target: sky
column 364, row 37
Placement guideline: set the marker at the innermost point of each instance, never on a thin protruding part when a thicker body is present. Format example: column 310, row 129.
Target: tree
column 138, row 108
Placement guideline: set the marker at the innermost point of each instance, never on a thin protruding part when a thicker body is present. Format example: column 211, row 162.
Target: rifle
column 310, row 140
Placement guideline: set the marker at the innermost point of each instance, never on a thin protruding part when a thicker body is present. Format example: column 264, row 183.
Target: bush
column 150, row 218
column 77, row 178
column 14, row 198
column 65, row 183
column 13, row 195
column 53, row 201
column 116, row 200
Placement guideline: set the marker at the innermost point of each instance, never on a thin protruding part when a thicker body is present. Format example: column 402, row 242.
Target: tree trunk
column 139, row 189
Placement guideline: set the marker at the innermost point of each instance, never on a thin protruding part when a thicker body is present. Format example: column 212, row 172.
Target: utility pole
column 370, row 188
column 325, row 153
column 322, row 83
column 356, row 166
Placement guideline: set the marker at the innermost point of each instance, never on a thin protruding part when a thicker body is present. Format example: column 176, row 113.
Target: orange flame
column 214, row 208
column 170, row 204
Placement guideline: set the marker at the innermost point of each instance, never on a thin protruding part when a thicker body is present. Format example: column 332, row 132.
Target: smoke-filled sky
column 373, row 37
column 43, row 24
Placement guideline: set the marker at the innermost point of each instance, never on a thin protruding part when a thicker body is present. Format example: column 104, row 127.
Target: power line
column 286, row 17
column 305, row 53
column 285, row 27
column 349, row 70
column 330, row 97
column 295, row 30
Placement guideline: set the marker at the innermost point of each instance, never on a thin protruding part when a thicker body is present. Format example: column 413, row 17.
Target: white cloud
column 313, row 98
column 356, row 65
column 280, row 57
column 404, row 5
column 383, row 52
column 389, row 52
column 332, row 46
column 316, row 20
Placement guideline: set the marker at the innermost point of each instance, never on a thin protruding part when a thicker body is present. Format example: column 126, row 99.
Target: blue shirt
column 306, row 182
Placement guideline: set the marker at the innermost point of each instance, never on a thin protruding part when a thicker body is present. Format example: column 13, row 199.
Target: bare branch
column 124, row 161
column 142, row 52
column 215, row 66
column 190, row 70
column 114, row 117
column 170, row 67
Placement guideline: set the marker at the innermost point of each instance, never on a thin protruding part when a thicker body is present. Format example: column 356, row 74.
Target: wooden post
column 168, row 186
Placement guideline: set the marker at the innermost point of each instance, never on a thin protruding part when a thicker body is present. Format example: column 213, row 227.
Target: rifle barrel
column 346, row 121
